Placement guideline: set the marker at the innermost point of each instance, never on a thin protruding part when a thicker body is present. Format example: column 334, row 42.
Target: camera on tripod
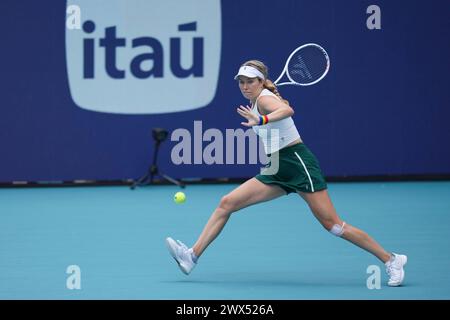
column 159, row 135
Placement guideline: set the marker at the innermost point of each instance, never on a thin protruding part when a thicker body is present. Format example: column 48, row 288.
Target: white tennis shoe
column 394, row 269
column 182, row 255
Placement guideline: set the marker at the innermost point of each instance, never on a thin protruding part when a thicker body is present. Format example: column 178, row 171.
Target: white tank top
column 278, row 134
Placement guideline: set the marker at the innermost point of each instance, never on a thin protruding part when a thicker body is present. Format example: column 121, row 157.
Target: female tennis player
column 298, row 172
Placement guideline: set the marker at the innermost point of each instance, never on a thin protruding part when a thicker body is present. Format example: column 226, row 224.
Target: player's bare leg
column 321, row 206
column 251, row 192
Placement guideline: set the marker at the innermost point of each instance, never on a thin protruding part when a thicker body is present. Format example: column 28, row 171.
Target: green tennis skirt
column 298, row 170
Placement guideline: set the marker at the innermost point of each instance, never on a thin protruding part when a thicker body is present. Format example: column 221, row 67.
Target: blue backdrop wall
column 78, row 104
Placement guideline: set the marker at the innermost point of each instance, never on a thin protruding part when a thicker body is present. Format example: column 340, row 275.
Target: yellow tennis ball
column 179, row 197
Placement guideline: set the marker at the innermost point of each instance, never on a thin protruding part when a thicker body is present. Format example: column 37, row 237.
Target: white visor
column 249, row 72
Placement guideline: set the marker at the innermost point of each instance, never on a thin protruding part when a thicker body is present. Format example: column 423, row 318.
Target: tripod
column 159, row 135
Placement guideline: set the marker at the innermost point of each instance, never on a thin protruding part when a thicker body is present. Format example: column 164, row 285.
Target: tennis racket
column 306, row 65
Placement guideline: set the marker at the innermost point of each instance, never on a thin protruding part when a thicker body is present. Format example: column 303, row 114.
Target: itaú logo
column 144, row 56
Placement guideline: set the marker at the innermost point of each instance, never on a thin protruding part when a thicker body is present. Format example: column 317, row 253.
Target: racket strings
column 307, row 65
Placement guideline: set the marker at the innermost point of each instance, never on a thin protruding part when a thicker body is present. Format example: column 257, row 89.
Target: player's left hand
column 246, row 112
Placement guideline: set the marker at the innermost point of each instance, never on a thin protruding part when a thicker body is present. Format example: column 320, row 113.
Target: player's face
column 250, row 87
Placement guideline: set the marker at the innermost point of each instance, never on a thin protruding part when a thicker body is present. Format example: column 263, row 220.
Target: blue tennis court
column 99, row 99
column 272, row 251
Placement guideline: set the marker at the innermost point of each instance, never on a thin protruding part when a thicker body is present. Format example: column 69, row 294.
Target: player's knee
column 337, row 229
column 227, row 204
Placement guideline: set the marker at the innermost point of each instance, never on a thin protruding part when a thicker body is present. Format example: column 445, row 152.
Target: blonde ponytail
column 268, row 84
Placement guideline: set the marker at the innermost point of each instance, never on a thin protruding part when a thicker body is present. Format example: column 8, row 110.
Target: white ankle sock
column 193, row 256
